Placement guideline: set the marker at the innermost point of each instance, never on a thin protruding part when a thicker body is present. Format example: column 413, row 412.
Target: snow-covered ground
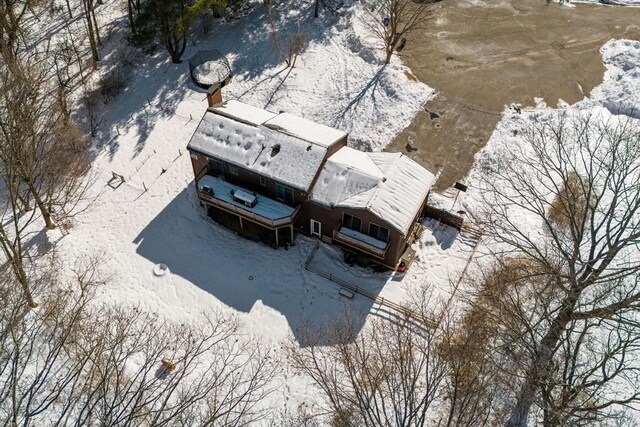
column 154, row 216
column 617, row 96
column 339, row 81
column 614, row 102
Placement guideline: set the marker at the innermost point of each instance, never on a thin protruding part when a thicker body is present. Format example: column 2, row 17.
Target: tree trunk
column 46, row 215
column 176, row 46
column 69, row 9
column 541, row 363
column 316, row 11
column 12, row 249
column 25, row 203
column 388, row 56
column 24, row 282
column 14, row 256
column 6, row 52
column 132, row 24
column 78, row 56
column 92, row 39
column 96, row 28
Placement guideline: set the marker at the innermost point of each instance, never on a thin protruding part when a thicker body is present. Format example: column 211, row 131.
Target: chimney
column 214, row 94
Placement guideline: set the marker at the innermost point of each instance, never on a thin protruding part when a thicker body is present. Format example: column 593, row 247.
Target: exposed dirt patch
column 410, row 76
column 481, row 56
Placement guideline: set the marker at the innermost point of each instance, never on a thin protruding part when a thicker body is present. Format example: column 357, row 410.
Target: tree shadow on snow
column 351, row 108
column 249, row 42
column 153, row 94
column 242, row 273
column 155, row 87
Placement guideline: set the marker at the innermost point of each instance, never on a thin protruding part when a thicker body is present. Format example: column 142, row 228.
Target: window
column 233, row 170
column 215, row 167
column 379, row 233
column 352, row 222
column 284, row 194
column 263, row 181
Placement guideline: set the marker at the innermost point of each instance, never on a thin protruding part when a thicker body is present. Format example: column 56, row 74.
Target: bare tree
column 393, row 21
column 14, row 209
column 134, row 8
column 388, row 374
column 293, row 44
column 472, row 386
column 14, row 234
column 43, row 158
column 74, row 362
column 12, row 17
column 578, row 176
column 93, row 31
column 44, row 149
column 66, row 56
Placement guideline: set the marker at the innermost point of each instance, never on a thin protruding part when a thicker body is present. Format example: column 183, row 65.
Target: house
column 268, row 175
column 370, row 202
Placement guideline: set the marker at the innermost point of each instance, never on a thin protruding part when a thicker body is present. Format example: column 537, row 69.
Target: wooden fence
column 405, row 312
column 444, row 217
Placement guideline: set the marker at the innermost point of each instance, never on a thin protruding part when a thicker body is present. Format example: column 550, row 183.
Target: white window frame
column 263, row 181
column 233, row 170
column 378, row 236
column 352, row 216
column 313, row 233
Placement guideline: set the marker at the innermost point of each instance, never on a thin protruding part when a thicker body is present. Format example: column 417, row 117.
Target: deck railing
column 246, row 214
column 359, row 244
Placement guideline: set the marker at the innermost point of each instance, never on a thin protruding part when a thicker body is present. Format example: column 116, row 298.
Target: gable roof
column 390, row 185
column 305, row 129
column 243, row 112
column 240, row 134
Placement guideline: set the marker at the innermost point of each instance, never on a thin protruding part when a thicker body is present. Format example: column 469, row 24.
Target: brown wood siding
column 245, row 179
column 336, row 146
column 331, row 218
column 199, row 163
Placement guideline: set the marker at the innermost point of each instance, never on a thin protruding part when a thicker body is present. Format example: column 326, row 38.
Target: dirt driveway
column 481, row 55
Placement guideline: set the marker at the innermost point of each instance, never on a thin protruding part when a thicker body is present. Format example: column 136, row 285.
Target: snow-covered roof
column 306, row 129
column 234, row 132
column 389, row 185
column 243, row 112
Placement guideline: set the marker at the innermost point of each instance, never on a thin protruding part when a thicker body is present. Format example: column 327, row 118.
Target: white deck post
column 277, row 243
column 241, row 225
column 291, row 228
